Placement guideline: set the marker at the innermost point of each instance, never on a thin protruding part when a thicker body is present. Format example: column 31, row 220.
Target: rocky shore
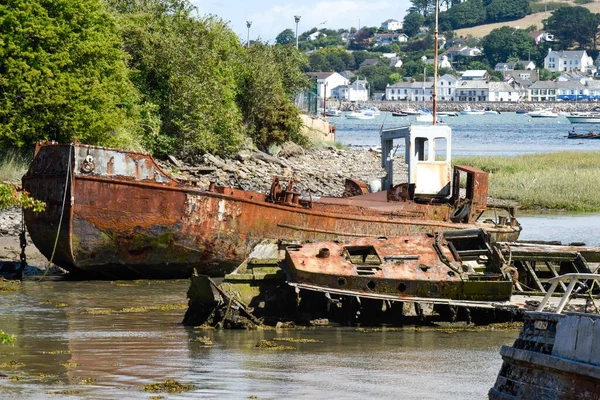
column 322, row 171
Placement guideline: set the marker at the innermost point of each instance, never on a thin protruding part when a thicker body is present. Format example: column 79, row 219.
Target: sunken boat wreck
column 116, row 214
column 453, row 275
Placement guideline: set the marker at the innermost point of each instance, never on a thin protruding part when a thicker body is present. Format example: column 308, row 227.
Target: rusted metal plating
column 406, row 266
column 126, row 217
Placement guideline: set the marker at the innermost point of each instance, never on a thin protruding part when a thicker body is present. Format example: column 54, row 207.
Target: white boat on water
column 372, row 109
column 543, row 113
column 584, row 117
column 361, row 114
column 469, row 111
column 333, row 112
column 447, row 113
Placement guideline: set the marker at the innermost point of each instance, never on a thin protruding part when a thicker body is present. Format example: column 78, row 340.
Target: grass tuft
column 12, row 167
column 558, row 181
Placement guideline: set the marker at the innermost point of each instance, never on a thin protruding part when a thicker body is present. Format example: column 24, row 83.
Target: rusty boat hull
column 117, row 214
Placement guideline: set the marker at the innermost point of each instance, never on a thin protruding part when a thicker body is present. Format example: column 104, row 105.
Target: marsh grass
column 560, row 181
column 13, row 166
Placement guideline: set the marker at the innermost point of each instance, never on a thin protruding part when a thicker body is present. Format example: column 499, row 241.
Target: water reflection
column 566, row 227
column 114, row 355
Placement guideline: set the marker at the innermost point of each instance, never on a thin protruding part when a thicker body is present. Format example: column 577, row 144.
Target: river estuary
column 106, row 340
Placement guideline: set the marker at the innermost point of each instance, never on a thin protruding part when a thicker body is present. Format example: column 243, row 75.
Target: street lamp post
column 248, row 25
column 297, row 19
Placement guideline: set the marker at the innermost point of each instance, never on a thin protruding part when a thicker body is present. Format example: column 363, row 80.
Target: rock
column 290, row 149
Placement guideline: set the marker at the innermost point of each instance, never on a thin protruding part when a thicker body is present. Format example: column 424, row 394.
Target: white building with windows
column 391, row 25
column 326, row 81
column 475, row 90
column 410, row 91
column 357, row 91
column 569, row 60
column 446, row 87
column 502, row 91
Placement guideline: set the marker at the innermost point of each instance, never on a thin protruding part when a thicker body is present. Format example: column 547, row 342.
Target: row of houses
column 452, row 89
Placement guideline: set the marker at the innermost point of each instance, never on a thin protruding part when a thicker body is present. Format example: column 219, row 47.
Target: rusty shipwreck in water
column 117, row 214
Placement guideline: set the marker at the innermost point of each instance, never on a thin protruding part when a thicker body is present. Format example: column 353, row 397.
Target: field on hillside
column 533, row 19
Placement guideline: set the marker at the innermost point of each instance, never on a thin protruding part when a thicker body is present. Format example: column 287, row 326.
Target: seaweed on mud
column 204, row 340
column 6, row 338
column 271, row 345
column 70, row 365
column 126, row 310
column 297, row 340
column 170, row 386
column 12, row 364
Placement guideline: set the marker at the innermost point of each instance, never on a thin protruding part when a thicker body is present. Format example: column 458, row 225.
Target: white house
column 403, row 38
column 395, row 61
column 382, row 39
column 476, row 90
column 510, row 66
column 502, row 91
column 411, row 91
column 357, row 91
column 475, row 75
column 391, row 25
column 443, row 61
column 568, row 60
column 326, row 81
column 315, row 35
column 541, row 36
column 446, row 87
column 464, row 51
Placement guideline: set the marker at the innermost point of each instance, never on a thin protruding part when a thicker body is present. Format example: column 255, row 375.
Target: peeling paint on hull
column 123, row 216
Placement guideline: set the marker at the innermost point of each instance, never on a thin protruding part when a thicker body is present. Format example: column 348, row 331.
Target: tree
column 63, row 75
column 506, row 10
column 269, row 114
column 286, row 37
column 187, row 66
column 423, row 7
column 412, row 22
column 573, row 25
column 469, row 13
column 504, row 43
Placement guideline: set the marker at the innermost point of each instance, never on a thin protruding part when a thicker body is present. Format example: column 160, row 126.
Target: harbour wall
column 561, row 106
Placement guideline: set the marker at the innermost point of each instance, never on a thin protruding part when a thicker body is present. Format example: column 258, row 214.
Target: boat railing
column 573, row 279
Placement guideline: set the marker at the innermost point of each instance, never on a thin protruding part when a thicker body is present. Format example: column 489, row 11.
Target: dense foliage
column 63, row 74
column 574, row 25
column 507, row 44
column 136, row 74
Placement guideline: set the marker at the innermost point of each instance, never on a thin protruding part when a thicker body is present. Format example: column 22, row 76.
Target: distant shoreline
column 383, row 105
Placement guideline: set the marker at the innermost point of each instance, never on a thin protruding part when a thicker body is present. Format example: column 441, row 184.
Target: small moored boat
column 543, row 113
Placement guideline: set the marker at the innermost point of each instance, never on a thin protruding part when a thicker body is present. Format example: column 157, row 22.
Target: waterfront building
column 446, row 87
column 472, row 90
column 475, row 75
column 410, row 91
column 502, row 91
column 326, row 81
column 357, row 91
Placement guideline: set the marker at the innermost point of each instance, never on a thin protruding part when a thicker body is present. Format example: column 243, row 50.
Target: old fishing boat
column 556, row 356
column 117, row 214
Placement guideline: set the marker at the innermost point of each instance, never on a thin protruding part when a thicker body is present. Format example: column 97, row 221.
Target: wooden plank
column 595, row 351
column 583, row 347
column 566, row 334
column 534, row 276
column 553, row 270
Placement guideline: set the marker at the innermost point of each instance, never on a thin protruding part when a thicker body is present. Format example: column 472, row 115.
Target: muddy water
column 70, row 351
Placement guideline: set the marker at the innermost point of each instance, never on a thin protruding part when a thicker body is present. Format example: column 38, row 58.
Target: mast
column 435, row 61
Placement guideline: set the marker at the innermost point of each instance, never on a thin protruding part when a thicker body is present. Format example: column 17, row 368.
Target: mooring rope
column 62, row 211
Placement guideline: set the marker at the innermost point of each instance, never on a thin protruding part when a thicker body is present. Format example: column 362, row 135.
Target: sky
column 270, row 17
